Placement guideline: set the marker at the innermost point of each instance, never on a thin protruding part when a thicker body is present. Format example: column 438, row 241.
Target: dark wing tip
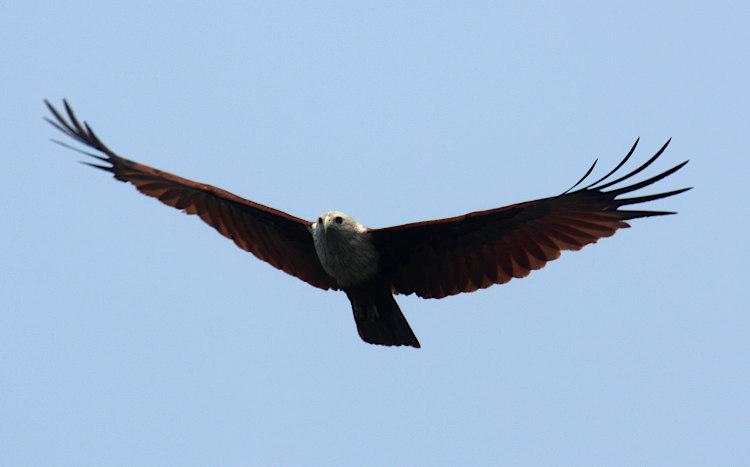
column 80, row 132
column 601, row 184
column 596, row 186
column 107, row 168
column 624, row 160
column 585, row 176
column 591, row 169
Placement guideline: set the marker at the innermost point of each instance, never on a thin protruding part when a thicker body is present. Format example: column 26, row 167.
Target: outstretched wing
column 461, row 254
column 282, row 240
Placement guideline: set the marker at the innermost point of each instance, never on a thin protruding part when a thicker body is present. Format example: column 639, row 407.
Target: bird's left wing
column 444, row 257
column 282, row 240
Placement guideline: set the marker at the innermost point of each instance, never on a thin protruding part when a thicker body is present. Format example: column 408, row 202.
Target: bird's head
column 334, row 222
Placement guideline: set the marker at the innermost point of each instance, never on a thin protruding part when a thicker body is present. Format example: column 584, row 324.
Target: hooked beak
column 327, row 221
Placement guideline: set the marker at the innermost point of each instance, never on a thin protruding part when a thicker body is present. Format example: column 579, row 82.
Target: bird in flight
column 433, row 259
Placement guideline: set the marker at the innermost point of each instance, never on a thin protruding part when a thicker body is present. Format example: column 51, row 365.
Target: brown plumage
column 433, row 259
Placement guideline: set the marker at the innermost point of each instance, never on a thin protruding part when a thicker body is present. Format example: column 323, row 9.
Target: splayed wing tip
column 585, row 176
column 97, row 166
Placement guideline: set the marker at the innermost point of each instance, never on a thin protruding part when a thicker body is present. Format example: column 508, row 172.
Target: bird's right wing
column 444, row 257
column 280, row 239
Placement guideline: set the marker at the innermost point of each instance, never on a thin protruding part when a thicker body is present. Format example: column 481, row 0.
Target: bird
column 432, row 259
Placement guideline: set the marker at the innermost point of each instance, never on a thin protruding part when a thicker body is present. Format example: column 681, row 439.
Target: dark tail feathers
column 382, row 322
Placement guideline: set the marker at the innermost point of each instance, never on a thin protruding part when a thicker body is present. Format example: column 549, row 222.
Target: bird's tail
column 380, row 321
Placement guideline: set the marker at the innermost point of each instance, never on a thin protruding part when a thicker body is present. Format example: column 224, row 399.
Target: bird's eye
column 320, row 220
column 338, row 219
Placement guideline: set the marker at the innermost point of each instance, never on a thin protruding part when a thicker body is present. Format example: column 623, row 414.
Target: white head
column 337, row 223
column 344, row 248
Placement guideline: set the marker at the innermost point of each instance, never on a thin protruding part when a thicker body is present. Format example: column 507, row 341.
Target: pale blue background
column 131, row 334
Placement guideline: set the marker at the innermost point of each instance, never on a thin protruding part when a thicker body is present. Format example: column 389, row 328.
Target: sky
column 132, row 334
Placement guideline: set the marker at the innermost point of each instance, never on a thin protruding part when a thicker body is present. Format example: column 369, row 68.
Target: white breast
column 348, row 255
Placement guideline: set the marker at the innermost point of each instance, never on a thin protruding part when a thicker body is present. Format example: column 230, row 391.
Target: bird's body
column 432, row 259
column 346, row 252
column 345, row 249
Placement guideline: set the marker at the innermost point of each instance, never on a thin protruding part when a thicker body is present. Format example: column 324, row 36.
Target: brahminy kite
column 432, row 259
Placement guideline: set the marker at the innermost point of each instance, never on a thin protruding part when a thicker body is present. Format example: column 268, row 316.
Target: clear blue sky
column 131, row 334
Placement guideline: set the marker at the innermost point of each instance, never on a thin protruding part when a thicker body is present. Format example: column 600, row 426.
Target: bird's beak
column 327, row 222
